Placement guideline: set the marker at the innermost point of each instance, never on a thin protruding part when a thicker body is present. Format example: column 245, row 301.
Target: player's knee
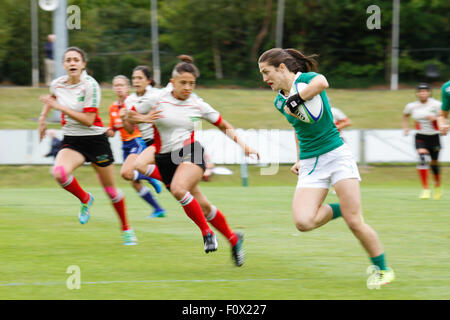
column 114, row 194
column 127, row 174
column 423, row 161
column 178, row 191
column 60, row 175
column 140, row 166
column 304, row 225
column 354, row 224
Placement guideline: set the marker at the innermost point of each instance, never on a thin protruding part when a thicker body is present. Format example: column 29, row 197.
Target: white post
column 280, row 22
column 395, row 43
column 59, row 46
column 155, row 43
column 34, row 45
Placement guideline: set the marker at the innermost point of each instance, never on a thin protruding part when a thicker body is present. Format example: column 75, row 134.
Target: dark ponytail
column 294, row 60
column 186, row 65
column 146, row 71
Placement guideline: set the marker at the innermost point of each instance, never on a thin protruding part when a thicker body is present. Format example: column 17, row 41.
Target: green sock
column 336, row 210
column 379, row 262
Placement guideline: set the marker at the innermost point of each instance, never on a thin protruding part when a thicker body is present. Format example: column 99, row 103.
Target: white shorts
column 327, row 169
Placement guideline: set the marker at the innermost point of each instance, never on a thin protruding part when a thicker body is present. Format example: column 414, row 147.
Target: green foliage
column 19, row 71
column 97, row 68
column 126, row 65
column 231, row 34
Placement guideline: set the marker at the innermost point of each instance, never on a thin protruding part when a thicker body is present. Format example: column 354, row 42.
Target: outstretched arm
column 42, row 127
column 228, row 129
column 442, row 122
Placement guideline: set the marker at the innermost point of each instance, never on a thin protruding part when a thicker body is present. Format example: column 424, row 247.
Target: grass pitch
column 40, row 237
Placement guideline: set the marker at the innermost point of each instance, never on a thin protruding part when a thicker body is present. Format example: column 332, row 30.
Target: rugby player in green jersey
column 323, row 158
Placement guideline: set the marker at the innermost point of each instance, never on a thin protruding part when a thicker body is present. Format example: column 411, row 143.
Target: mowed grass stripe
column 41, row 237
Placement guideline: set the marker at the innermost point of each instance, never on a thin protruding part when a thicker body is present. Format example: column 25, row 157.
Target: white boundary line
column 19, row 284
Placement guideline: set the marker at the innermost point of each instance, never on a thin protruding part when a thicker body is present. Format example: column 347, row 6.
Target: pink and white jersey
column 82, row 97
column 176, row 127
column 420, row 111
column 130, row 102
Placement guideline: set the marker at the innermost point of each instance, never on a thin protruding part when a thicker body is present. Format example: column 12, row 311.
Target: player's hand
column 42, row 128
column 251, row 153
column 295, row 168
column 286, row 109
column 405, row 132
column 444, row 129
column 110, row 132
column 153, row 115
column 123, row 113
column 50, row 101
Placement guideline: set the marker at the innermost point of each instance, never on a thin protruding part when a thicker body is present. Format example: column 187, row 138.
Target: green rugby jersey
column 446, row 96
column 317, row 138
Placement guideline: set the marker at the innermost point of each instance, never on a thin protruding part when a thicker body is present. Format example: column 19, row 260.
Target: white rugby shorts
column 327, row 169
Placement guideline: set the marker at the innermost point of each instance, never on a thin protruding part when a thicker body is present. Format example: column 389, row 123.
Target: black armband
column 294, row 102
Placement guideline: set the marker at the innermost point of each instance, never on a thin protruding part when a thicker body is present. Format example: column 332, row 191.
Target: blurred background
column 227, row 36
column 40, row 235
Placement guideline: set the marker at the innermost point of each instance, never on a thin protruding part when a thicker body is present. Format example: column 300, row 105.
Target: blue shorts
column 135, row 146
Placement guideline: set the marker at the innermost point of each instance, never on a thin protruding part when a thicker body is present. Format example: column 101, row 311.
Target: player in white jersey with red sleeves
column 143, row 83
column 180, row 159
column 425, row 112
column 77, row 95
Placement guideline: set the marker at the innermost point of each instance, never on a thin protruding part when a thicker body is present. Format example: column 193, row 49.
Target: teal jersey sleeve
column 446, row 96
column 307, row 77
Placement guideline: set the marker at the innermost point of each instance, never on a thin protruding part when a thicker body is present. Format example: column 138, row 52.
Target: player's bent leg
column 186, row 177
column 145, row 158
column 422, row 169
column 106, row 177
column 215, row 217
column 127, row 169
column 348, row 193
column 66, row 162
column 307, row 209
column 350, row 204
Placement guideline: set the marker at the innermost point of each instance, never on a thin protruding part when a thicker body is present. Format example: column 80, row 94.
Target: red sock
column 437, row 179
column 194, row 211
column 217, row 219
column 119, row 206
column 423, row 173
column 74, row 188
column 153, row 172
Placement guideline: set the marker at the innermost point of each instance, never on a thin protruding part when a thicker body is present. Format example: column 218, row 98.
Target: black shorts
column 95, row 149
column 149, row 142
column 429, row 142
column 168, row 163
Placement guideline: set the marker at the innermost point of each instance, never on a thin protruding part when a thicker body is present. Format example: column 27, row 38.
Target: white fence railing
column 22, row 147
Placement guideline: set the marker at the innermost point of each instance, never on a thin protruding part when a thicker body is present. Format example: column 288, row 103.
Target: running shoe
column 426, row 194
column 381, row 278
column 237, row 251
column 437, row 194
column 129, row 238
column 156, row 184
column 158, row 214
column 210, row 242
column 84, row 214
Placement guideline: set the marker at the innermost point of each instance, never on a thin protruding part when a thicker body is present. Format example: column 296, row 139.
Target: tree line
column 226, row 38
